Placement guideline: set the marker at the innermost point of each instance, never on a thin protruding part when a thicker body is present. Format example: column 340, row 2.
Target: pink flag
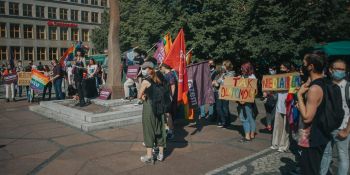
column 160, row 52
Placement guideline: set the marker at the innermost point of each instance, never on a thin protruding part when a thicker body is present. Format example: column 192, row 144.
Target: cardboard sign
column 10, row 78
column 238, row 89
column 105, row 94
column 281, row 82
column 24, row 78
column 132, row 71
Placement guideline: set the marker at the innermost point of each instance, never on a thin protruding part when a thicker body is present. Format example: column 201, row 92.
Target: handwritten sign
column 238, row 89
column 132, row 71
column 24, row 78
column 10, row 78
column 281, row 82
column 104, row 94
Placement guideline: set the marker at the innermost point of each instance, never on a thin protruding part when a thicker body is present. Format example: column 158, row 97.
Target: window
column 40, row 11
column 74, row 35
column 27, row 10
column 52, row 13
column 41, row 53
column 84, row 1
column 27, row 31
column 104, row 3
column 63, row 14
column 63, row 50
column 84, row 16
column 16, row 51
column 14, row 30
column 64, row 33
column 73, row 0
column 52, row 33
column 28, row 53
column 13, row 8
column 85, row 34
column 2, row 7
column 3, row 53
column 94, row 2
column 2, row 30
column 94, row 17
column 74, row 15
column 40, row 32
column 52, row 53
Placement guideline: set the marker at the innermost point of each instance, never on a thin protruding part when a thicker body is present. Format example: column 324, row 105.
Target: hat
column 147, row 64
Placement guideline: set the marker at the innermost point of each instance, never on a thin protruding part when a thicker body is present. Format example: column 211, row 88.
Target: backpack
column 332, row 114
column 160, row 97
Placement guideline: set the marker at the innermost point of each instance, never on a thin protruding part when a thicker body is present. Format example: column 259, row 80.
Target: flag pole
column 152, row 47
column 189, row 51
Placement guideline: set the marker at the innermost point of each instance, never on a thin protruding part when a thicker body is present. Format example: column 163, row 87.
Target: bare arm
column 173, row 87
column 314, row 99
column 144, row 85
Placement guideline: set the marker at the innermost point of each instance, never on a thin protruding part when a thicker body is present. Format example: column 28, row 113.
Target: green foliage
column 263, row 31
column 99, row 35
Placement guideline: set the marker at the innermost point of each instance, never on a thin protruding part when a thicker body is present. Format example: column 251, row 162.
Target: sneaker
column 160, row 157
column 220, row 125
column 146, row 159
column 139, row 102
column 273, row 147
column 244, row 140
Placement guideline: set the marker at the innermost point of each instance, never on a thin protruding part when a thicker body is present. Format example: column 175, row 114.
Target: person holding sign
column 9, row 76
column 245, row 110
column 222, row 106
column 280, row 136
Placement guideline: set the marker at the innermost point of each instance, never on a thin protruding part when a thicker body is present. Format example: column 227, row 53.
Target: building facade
column 41, row 30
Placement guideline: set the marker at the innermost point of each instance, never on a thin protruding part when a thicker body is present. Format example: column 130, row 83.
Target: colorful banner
column 105, row 94
column 24, row 78
column 238, row 89
column 281, row 82
column 160, row 52
column 38, row 81
column 132, row 71
column 10, row 78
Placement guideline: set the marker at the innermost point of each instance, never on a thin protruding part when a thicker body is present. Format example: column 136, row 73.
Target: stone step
column 112, row 123
column 61, row 109
column 121, row 112
column 111, row 103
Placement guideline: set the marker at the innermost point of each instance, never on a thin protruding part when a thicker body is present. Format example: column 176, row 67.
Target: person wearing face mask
column 280, row 136
column 153, row 125
column 222, row 106
column 340, row 137
column 270, row 99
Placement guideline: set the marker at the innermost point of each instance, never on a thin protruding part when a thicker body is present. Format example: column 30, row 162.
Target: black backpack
column 160, row 97
column 332, row 114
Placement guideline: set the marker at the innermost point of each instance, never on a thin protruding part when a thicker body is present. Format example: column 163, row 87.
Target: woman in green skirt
column 153, row 125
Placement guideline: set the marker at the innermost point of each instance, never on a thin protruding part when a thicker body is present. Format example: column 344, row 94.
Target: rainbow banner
column 281, row 82
column 38, row 81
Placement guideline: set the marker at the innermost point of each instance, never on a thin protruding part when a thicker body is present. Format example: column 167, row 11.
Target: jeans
column 246, row 117
column 58, row 88
column 47, row 87
column 210, row 110
column 343, row 153
column 222, row 110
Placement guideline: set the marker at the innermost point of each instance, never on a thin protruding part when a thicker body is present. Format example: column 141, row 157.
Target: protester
column 29, row 92
column 79, row 72
column 19, row 68
column 92, row 71
column 48, row 87
column 280, row 136
column 40, row 67
column 9, row 87
column 270, row 99
column 213, row 74
column 246, row 110
column 171, row 79
column 312, row 140
column 340, row 137
column 153, row 126
column 138, row 60
column 57, row 79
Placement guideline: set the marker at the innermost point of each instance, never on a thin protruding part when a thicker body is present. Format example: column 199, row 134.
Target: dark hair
column 166, row 66
column 247, row 68
column 317, row 60
column 93, row 60
column 286, row 64
column 338, row 60
column 151, row 59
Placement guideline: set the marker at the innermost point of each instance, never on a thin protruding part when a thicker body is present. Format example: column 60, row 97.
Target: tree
column 99, row 35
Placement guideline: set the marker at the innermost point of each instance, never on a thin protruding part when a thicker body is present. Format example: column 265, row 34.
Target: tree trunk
column 114, row 61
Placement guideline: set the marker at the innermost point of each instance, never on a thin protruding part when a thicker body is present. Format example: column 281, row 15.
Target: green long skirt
column 153, row 127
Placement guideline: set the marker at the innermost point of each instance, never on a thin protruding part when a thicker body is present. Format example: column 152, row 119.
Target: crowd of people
column 75, row 79
column 310, row 115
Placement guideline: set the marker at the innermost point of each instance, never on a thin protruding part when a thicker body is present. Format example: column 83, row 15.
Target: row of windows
column 28, row 53
column 51, row 12
column 93, row 2
column 41, row 33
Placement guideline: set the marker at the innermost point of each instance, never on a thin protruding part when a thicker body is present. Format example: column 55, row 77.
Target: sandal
column 243, row 140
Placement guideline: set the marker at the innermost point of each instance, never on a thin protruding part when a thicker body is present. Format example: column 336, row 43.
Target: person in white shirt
column 341, row 135
column 92, row 71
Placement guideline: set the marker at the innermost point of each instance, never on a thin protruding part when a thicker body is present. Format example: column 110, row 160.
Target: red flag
column 176, row 59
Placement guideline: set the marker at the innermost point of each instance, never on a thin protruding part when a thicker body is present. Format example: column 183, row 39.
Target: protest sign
column 24, row 78
column 10, row 78
column 105, row 94
column 281, row 82
column 238, row 89
column 132, row 71
column 38, row 81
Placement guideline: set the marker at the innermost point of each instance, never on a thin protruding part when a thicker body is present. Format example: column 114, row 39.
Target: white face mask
column 144, row 72
column 272, row 72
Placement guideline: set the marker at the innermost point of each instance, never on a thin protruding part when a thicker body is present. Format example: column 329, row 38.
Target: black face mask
column 306, row 73
column 212, row 67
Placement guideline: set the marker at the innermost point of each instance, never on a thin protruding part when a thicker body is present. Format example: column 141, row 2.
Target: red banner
column 61, row 24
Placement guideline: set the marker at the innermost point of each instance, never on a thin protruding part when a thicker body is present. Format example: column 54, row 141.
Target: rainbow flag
column 38, row 81
column 68, row 54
